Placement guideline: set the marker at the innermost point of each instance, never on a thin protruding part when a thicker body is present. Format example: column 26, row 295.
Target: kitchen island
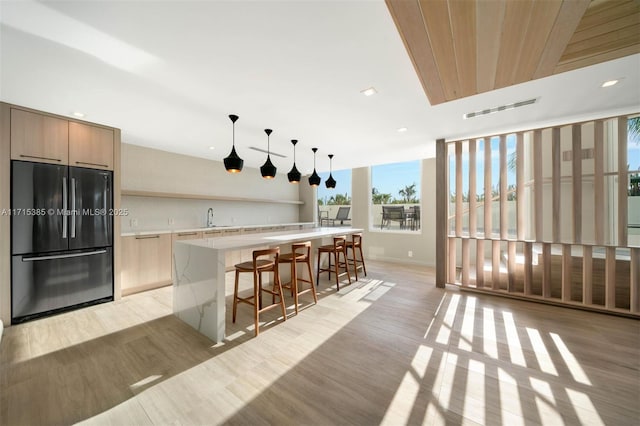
column 199, row 272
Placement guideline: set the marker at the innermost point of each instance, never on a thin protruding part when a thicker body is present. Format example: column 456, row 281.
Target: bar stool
column 263, row 261
column 300, row 253
column 356, row 243
column 339, row 246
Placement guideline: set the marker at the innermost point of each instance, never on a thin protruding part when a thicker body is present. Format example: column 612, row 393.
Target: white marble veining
column 199, row 269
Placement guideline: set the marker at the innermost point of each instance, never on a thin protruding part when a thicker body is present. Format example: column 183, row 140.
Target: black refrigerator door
column 90, row 202
column 38, row 202
column 44, row 284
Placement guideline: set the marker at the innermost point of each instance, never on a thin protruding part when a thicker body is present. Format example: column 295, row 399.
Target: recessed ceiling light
column 369, row 92
column 212, row 147
column 609, row 83
column 78, row 114
column 402, row 129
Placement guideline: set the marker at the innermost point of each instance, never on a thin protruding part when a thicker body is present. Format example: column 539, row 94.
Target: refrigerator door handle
column 62, row 256
column 73, row 207
column 65, row 218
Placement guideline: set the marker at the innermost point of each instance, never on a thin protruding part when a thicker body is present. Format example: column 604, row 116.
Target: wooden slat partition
column 576, row 170
column 452, row 260
column 634, row 291
column 487, row 188
column 511, row 266
column 442, row 213
column 537, row 183
column 566, row 272
column 587, row 275
column 610, row 278
column 458, row 189
column 473, row 203
column 555, row 182
column 546, row 270
column 623, row 182
column 528, row 267
column 504, row 222
column 479, row 263
column 520, row 212
column 598, row 180
column 495, row 265
column 465, row 261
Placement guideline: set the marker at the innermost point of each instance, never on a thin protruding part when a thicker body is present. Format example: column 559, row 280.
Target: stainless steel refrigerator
column 61, row 238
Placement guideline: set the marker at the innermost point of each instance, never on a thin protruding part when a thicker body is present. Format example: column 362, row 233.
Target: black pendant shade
column 314, row 179
column 233, row 163
column 268, row 170
column 294, row 174
column 331, row 182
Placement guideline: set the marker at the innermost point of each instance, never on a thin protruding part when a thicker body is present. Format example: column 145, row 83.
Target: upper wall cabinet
column 47, row 139
column 41, row 138
column 90, row 146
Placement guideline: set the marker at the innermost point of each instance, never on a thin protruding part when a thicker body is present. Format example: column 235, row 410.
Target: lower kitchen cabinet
column 145, row 262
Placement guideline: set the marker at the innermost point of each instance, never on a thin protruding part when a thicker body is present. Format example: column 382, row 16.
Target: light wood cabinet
column 212, row 233
column 41, row 138
column 177, row 236
column 232, row 257
column 90, row 146
column 145, row 262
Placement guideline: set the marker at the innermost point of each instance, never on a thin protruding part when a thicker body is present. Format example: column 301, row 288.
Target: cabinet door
column 145, row 262
column 232, row 256
column 40, row 138
column 213, row 233
column 177, row 236
column 90, row 146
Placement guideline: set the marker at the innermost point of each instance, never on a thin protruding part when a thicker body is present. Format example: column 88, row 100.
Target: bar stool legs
column 300, row 253
column 339, row 246
column 356, row 246
column 263, row 261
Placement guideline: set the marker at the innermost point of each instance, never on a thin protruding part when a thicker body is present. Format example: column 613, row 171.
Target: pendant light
column 233, row 163
column 331, row 182
column 314, row 179
column 268, row 170
column 294, row 174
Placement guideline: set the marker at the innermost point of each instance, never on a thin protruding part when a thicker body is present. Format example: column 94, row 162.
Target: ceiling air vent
column 267, row 152
column 499, row 108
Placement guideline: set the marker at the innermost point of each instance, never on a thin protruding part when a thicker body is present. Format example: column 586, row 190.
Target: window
column 395, row 197
column 330, row 200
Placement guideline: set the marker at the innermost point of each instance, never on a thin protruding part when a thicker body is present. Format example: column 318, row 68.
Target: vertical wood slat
column 610, row 278
column 479, row 263
column 598, row 181
column 587, row 274
column 465, row 261
column 495, row 265
column 623, row 182
column 504, row 222
column 537, row 182
column 487, row 188
column 576, row 171
column 473, row 204
column 528, row 267
column 511, row 266
column 458, row 189
column 546, row 270
column 520, row 222
column 555, row 182
column 566, row 272
column 452, row 260
column 442, row 213
column 634, row 291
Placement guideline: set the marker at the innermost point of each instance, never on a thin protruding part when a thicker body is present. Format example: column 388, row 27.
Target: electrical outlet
column 134, row 223
column 171, row 221
column 410, row 253
column 233, row 220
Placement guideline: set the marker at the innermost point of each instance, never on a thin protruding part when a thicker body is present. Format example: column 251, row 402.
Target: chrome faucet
column 210, row 218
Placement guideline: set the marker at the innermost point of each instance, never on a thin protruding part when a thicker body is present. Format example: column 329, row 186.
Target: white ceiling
column 169, row 73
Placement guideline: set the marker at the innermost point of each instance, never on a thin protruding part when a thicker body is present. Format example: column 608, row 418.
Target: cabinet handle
column 147, row 237
column 91, row 164
column 186, row 234
column 40, row 158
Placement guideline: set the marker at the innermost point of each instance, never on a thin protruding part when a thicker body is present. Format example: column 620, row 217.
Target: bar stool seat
column 355, row 245
column 333, row 251
column 300, row 253
column 263, row 261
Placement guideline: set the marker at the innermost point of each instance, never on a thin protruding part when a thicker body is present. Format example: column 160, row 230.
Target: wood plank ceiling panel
column 461, row 48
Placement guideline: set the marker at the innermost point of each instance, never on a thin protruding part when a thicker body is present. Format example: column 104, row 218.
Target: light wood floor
column 389, row 349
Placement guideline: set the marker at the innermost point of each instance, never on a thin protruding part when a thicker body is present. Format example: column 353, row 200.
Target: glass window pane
column 395, row 196
column 331, row 199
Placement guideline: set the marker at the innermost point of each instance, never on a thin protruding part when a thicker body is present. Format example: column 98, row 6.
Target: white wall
column 147, row 169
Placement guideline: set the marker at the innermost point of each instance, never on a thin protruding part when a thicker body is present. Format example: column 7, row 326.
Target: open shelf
column 135, row 193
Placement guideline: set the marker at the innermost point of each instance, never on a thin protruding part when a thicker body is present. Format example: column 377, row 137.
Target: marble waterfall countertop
column 199, row 272
column 220, row 227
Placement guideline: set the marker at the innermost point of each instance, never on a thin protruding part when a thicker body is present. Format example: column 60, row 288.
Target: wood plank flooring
column 388, row 349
